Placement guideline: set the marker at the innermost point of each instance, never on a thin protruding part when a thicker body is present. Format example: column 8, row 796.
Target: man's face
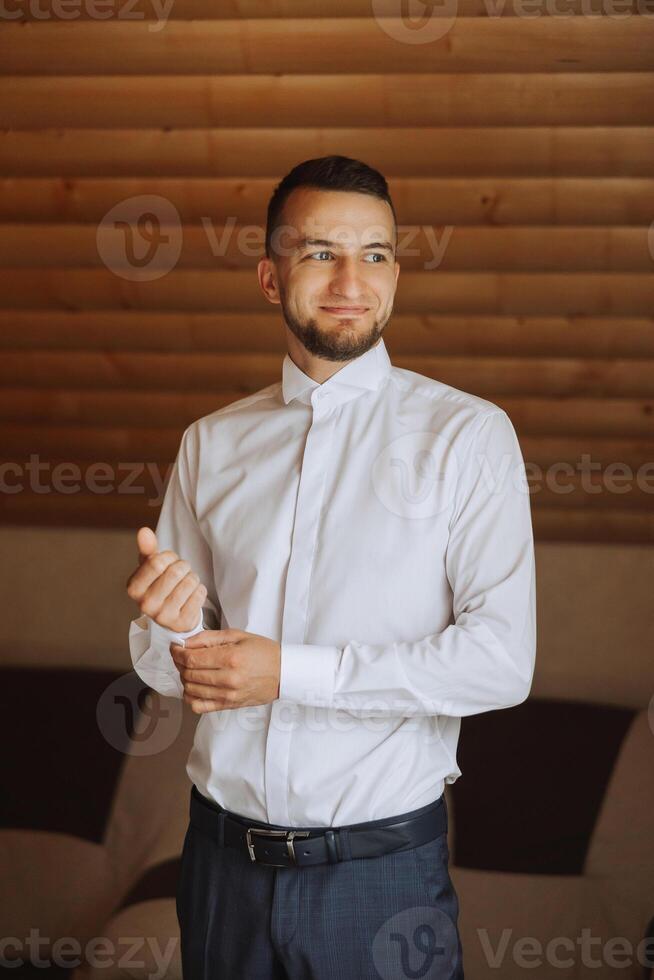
column 336, row 275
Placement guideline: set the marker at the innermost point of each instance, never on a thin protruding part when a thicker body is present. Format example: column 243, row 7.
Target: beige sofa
column 550, row 840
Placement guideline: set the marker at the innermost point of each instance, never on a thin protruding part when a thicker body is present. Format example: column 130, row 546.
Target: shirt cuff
column 161, row 637
column 308, row 673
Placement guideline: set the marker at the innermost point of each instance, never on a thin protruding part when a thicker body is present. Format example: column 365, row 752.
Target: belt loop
column 331, row 842
column 344, row 844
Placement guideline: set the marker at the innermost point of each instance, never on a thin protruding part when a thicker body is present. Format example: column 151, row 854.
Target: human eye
column 322, row 252
column 379, row 255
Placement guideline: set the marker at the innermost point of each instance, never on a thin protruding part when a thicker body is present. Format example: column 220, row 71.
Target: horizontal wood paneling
column 586, row 525
column 485, row 376
column 292, row 101
column 329, row 46
column 446, row 248
column 318, row 9
column 520, row 156
column 569, row 415
column 526, row 336
column 510, row 201
column 614, row 294
column 471, row 151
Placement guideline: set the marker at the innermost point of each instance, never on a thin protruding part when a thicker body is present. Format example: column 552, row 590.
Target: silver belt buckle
column 289, row 835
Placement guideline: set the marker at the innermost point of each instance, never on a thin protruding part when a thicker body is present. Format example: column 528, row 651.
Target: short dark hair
column 332, row 173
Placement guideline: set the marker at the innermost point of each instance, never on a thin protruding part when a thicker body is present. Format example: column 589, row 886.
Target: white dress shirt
column 378, row 526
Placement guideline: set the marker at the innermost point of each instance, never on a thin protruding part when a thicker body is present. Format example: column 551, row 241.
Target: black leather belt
column 285, row 847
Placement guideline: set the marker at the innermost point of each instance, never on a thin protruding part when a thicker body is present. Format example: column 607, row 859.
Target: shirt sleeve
column 485, row 659
column 177, row 529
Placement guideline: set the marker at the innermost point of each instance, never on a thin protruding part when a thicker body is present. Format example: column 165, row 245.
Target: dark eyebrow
column 304, row 242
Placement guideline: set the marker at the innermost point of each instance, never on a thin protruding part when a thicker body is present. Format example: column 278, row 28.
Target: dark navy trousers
column 391, row 917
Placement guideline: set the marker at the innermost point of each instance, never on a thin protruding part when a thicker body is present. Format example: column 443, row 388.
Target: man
column 362, row 535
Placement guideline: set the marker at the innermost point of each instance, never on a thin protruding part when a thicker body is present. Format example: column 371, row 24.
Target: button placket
column 315, row 462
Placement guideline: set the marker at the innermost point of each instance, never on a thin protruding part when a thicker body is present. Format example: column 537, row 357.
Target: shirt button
column 323, row 399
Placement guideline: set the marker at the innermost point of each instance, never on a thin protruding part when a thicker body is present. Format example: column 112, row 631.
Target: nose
column 346, row 281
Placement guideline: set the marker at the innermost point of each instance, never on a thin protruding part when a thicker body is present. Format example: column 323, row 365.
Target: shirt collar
column 366, row 372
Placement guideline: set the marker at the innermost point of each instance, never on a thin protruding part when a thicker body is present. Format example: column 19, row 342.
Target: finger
column 179, row 598
column 146, row 542
column 200, row 658
column 200, row 707
column 150, row 569
column 214, row 638
column 190, row 610
column 206, row 692
column 162, row 573
column 207, row 676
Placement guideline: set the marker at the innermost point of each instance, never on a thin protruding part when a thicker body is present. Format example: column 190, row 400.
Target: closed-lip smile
column 345, row 310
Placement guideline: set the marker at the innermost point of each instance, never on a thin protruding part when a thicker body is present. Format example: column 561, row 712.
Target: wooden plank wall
column 519, row 135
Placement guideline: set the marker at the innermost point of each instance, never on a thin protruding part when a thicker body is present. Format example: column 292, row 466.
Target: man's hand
column 164, row 586
column 228, row 669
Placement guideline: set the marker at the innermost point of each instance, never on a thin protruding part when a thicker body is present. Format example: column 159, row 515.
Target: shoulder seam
column 468, row 399
column 252, row 398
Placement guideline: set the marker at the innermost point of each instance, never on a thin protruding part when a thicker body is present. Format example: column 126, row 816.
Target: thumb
column 146, row 541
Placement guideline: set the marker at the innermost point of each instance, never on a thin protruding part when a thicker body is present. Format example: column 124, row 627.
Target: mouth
column 348, row 311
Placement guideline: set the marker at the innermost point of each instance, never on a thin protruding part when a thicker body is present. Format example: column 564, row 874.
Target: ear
column 267, row 275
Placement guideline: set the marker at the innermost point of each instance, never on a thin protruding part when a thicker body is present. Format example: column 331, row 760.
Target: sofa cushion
column 534, row 780
column 54, row 884
column 63, row 769
column 145, row 937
